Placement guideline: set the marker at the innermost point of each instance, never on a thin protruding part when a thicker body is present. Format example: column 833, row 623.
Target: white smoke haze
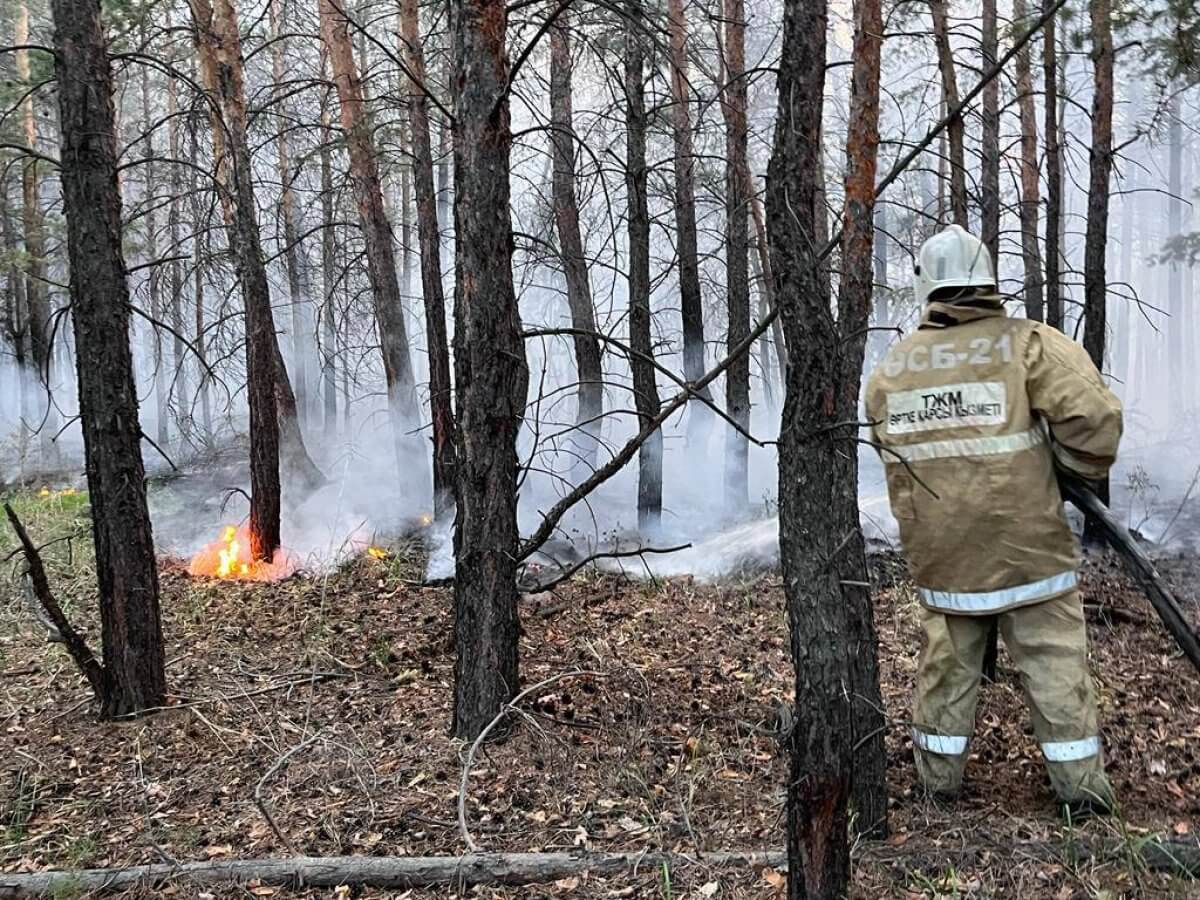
column 372, row 496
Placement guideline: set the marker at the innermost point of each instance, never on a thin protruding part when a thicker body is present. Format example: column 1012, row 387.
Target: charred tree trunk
column 491, row 373
column 328, row 272
column 1054, row 308
column 37, row 302
column 590, row 392
column 126, row 568
column 869, row 788
column 1031, row 251
column 429, row 237
column 377, row 232
column 989, row 201
column 954, row 130
column 691, row 300
column 818, row 499
column 297, row 273
column 737, row 250
column 645, row 387
column 219, row 49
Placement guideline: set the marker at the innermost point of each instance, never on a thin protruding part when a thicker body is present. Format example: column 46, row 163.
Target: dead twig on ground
column 511, row 706
column 258, row 788
column 91, row 668
column 588, row 560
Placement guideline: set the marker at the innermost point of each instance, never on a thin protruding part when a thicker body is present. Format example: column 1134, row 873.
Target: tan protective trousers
column 1048, row 643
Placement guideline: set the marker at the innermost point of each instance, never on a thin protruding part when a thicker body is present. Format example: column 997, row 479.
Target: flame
column 426, row 520
column 377, row 553
column 229, row 557
column 44, row 492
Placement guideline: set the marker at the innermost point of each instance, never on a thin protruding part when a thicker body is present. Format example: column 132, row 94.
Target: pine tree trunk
column 297, row 274
column 691, row 300
column 818, row 501
column 954, row 131
column 377, row 232
column 1054, row 308
column 200, row 256
column 219, row 49
column 153, row 279
column 1100, row 163
column 328, row 272
column 869, row 788
column 1175, row 271
column 16, row 313
column 1031, row 250
column 989, row 200
column 33, row 220
column 764, row 257
column 126, row 568
column 590, row 391
column 737, row 249
column 429, row 237
column 492, row 378
column 645, row 386
column 179, row 358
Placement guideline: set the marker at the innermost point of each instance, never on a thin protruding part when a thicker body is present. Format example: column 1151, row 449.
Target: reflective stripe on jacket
column 969, row 414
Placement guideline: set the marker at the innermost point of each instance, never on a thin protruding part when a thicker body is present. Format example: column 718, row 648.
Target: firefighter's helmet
column 953, row 258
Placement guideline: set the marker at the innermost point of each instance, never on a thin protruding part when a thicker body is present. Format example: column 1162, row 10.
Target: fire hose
column 1137, row 563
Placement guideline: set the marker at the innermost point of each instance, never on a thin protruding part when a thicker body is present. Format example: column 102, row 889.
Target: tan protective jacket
column 960, row 412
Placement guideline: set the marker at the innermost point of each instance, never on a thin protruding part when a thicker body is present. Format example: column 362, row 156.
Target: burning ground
column 309, row 715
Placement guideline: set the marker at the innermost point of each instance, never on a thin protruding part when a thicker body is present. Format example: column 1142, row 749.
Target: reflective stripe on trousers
column 1070, row 751
column 942, row 744
column 995, row 601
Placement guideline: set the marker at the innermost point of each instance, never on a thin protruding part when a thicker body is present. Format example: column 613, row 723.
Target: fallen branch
column 91, row 668
column 466, row 772
column 401, row 873
column 588, row 560
column 397, row 873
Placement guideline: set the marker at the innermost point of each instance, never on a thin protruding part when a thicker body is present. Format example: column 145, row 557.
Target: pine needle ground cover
column 310, row 716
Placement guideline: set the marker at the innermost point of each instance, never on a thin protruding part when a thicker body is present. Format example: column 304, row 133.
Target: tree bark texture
column 954, row 131
column 492, row 377
column 590, row 390
column 1054, row 308
column 219, row 49
column 377, row 231
column 989, row 187
column 818, row 503
column 1095, row 278
column 126, row 567
column 869, row 787
column 1031, row 250
column 645, row 386
column 430, row 239
column 737, row 256
column 691, row 300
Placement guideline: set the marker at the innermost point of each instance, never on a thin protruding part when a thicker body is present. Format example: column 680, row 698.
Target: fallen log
column 1178, row 857
column 1139, row 565
column 396, row 873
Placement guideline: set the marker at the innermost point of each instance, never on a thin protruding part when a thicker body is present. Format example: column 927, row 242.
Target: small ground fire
column 229, row 557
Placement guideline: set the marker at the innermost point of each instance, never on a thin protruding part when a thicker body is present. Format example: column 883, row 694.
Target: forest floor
column 324, row 702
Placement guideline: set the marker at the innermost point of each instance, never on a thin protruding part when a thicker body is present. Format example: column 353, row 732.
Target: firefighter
column 971, row 415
